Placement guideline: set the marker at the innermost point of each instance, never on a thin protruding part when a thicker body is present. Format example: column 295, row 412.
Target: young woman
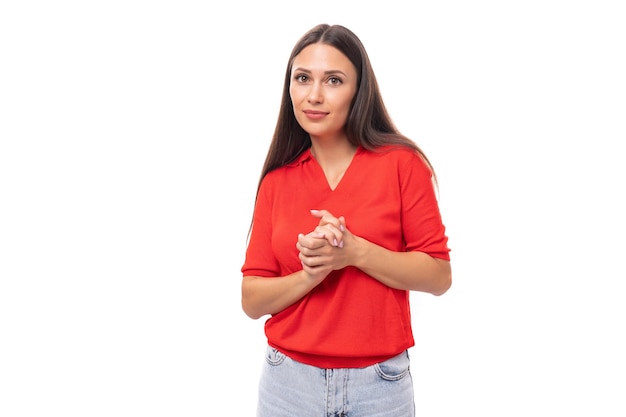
column 346, row 223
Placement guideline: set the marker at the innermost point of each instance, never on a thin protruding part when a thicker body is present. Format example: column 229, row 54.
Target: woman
column 346, row 224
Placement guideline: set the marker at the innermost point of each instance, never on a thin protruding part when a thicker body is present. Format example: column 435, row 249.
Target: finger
column 319, row 213
column 311, row 261
column 327, row 218
column 342, row 223
column 332, row 234
column 312, row 240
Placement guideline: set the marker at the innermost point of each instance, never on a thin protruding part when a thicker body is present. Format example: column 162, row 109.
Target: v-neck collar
column 307, row 155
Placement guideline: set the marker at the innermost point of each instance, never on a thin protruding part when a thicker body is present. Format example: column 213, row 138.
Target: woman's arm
column 270, row 295
column 262, row 295
column 416, row 271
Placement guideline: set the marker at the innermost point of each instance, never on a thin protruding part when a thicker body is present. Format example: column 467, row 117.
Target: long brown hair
column 369, row 124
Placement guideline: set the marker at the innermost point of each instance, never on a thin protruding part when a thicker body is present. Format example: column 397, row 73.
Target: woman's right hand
column 315, row 254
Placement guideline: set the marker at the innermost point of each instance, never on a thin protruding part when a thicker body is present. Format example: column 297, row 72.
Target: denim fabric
column 292, row 389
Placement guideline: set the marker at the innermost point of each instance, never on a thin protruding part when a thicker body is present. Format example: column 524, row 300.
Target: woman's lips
column 315, row 115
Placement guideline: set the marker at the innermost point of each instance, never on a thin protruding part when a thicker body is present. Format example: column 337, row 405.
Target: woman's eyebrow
column 325, row 72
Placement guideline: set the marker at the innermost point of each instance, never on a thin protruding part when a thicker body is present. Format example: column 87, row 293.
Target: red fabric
column 350, row 319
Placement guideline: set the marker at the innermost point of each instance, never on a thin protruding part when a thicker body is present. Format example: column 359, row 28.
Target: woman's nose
column 315, row 95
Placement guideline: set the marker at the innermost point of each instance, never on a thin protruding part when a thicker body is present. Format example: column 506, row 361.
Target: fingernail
column 341, row 244
column 335, row 242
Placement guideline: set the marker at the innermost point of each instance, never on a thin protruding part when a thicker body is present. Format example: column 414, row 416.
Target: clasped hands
column 326, row 248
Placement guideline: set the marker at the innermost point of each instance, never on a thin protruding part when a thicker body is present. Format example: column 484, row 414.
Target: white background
column 132, row 137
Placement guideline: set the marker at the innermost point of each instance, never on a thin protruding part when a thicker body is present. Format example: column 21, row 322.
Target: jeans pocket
column 274, row 357
column 394, row 369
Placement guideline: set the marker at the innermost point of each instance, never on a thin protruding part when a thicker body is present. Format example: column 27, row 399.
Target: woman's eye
column 301, row 78
column 334, row 81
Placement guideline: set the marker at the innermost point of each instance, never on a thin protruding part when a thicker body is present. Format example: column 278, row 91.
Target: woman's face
column 323, row 83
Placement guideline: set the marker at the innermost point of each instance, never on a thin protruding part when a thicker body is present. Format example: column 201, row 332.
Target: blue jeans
column 292, row 389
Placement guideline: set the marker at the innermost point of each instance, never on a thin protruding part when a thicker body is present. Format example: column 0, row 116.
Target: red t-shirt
column 350, row 319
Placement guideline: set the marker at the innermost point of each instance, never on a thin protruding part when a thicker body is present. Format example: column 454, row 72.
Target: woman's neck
column 334, row 159
column 332, row 152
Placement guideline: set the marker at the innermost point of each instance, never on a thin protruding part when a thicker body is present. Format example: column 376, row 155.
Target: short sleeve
column 422, row 224
column 260, row 259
